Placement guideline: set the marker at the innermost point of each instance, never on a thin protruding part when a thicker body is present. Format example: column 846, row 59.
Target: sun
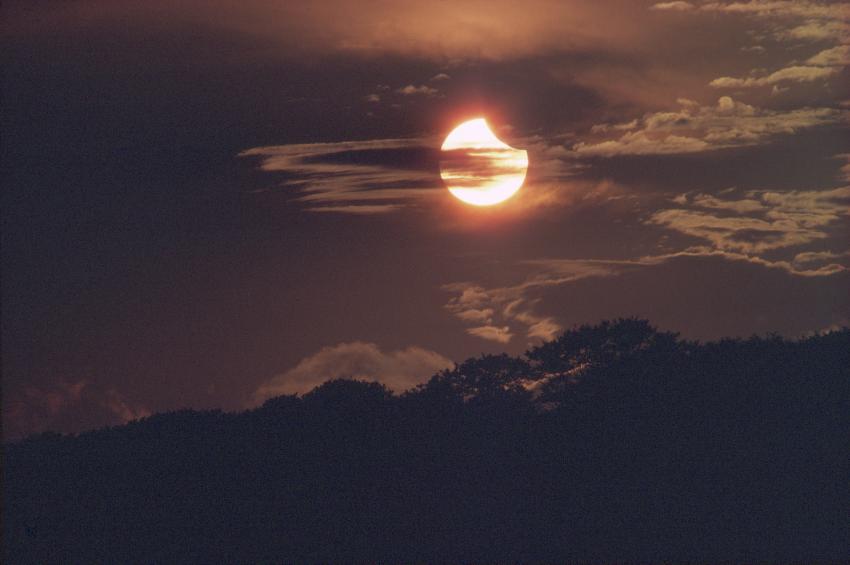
column 478, row 167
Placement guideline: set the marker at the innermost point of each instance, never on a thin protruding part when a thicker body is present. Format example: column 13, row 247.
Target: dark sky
column 208, row 203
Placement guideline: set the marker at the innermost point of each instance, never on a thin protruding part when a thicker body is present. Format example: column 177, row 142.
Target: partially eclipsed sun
column 478, row 167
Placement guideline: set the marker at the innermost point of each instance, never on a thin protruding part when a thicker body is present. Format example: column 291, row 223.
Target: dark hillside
column 613, row 442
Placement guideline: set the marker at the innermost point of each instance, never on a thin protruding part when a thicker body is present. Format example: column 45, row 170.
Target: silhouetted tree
column 485, row 377
column 614, row 442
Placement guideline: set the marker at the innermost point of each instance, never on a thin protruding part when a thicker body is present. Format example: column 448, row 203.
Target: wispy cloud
column 412, row 90
column 492, row 333
column 519, row 304
column 515, row 304
column 355, row 177
column 760, row 221
column 781, row 9
column 695, row 128
column 785, row 21
column 818, row 257
column 67, row 405
column 678, row 6
column 820, row 66
column 796, row 73
column 817, row 30
column 399, row 370
column 790, row 20
column 365, row 209
column 836, row 56
column 386, row 175
column 769, row 229
column 618, row 267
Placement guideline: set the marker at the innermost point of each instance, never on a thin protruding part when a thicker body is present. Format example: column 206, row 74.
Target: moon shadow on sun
column 478, row 167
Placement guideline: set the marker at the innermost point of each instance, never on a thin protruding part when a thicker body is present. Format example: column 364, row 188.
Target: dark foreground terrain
column 614, row 442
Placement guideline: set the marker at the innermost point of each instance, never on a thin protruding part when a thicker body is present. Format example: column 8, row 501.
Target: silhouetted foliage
column 615, row 442
column 487, row 377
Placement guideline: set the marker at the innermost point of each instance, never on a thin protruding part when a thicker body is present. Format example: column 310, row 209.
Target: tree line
column 613, row 442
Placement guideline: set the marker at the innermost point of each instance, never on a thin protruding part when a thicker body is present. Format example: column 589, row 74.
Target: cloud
column 516, row 303
column 789, row 19
column 756, row 227
column 697, row 251
column 519, row 303
column 492, row 333
column 364, row 209
column 68, row 406
column 355, row 177
column 844, row 173
column 375, row 177
column 440, row 77
column 541, row 327
column 788, row 267
column 784, row 21
column 694, row 128
column 602, row 128
column 788, row 74
column 678, row 6
column 761, row 221
column 546, row 329
column 745, row 234
column 742, row 205
column 399, row 370
column 810, row 257
column 483, row 315
column 782, row 8
column 411, row 90
column 836, row 56
column 817, row 31
column 642, row 143
column 495, row 29
column 123, row 410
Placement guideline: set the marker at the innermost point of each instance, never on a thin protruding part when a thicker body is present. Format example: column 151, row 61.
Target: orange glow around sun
column 478, row 167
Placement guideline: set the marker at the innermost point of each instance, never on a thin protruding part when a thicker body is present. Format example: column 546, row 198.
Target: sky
column 207, row 204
